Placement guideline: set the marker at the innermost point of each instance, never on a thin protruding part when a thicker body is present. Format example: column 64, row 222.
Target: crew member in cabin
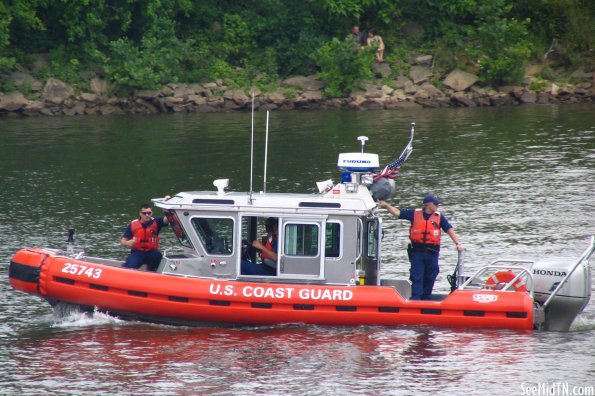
column 142, row 236
column 268, row 245
column 426, row 229
column 268, row 251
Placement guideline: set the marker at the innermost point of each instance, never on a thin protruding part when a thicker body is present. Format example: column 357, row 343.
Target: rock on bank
column 418, row 89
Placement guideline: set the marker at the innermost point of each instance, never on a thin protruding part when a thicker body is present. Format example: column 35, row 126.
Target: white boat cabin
column 327, row 238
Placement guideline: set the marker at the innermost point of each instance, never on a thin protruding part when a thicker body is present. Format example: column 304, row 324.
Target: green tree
column 342, row 65
column 560, row 29
column 480, row 33
column 157, row 57
column 501, row 50
column 16, row 16
column 142, row 44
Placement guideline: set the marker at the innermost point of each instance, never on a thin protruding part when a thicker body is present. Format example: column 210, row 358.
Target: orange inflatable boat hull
column 184, row 300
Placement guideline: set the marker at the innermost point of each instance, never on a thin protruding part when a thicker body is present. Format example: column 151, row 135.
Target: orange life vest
column 269, row 245
column 424, row 231
column 147, row 239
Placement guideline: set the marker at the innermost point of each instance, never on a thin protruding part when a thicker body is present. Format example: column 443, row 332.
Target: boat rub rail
column 297, row 307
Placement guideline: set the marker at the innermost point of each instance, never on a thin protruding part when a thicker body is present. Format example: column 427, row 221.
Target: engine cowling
column 572, row 297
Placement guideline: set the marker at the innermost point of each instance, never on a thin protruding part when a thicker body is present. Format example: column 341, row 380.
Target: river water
column 515, row 182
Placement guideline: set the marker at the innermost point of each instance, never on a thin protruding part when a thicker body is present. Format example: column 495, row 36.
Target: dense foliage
column 143, row 44
column 343, row 64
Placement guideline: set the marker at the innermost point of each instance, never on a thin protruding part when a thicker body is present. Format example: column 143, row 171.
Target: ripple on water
column 514, row 181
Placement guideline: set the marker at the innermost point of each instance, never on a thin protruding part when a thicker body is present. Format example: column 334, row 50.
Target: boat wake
column 583, row 323
column 66, row 315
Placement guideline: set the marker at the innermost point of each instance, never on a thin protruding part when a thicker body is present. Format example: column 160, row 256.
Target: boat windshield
column 174, row 222
column 215, row 233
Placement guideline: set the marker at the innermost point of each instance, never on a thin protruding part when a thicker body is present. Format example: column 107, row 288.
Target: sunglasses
column 147, row 213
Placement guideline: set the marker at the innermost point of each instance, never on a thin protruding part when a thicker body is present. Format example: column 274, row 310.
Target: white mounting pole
column 266, row 152
column 362, row 140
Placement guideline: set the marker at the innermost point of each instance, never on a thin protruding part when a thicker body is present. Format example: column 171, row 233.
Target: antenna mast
column 252, row 149
column 266, row 152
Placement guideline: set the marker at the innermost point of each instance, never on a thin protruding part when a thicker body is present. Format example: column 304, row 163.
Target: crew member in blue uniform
column 426, row 229
column 142, row 236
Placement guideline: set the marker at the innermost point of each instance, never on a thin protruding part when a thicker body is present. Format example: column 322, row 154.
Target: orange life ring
column 501, row 278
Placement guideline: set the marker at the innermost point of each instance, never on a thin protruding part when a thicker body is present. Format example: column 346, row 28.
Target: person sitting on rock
column 374, row 39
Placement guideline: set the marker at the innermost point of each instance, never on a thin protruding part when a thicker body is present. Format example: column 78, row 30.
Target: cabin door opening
column 372, row 248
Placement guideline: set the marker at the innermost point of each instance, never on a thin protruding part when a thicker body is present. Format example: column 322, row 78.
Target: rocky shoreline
column 458, row 89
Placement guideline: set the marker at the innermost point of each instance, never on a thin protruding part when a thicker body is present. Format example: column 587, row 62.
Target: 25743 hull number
column 80, row 269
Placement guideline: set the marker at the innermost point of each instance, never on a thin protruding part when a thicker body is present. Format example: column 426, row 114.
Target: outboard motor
column 561, row 304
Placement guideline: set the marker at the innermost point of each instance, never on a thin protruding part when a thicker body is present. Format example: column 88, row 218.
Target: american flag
column 391, row 170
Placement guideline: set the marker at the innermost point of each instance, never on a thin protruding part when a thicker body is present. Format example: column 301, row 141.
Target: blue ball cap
column 432, row 198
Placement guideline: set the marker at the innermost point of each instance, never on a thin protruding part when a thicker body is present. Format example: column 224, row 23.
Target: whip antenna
column 266, row 151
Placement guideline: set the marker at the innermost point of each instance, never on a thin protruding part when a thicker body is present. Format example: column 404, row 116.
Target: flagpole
column 407, row 150
column 412, row 132
column 391, row 170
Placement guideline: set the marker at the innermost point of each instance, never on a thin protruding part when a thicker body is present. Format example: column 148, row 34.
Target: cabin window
column 176, row 227
column 301, row 240
column 333, row 240
column 215, row 234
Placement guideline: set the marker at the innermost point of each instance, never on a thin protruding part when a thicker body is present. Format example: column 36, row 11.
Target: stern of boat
column 559, row 287
column 561, row 292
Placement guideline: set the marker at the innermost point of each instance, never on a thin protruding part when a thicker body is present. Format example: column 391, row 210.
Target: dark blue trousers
column 422, row 274
column 138, row 258
column 250, row 268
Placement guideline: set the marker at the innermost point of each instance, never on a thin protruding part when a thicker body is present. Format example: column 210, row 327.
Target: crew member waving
column 426, row 229
column 142, row 236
